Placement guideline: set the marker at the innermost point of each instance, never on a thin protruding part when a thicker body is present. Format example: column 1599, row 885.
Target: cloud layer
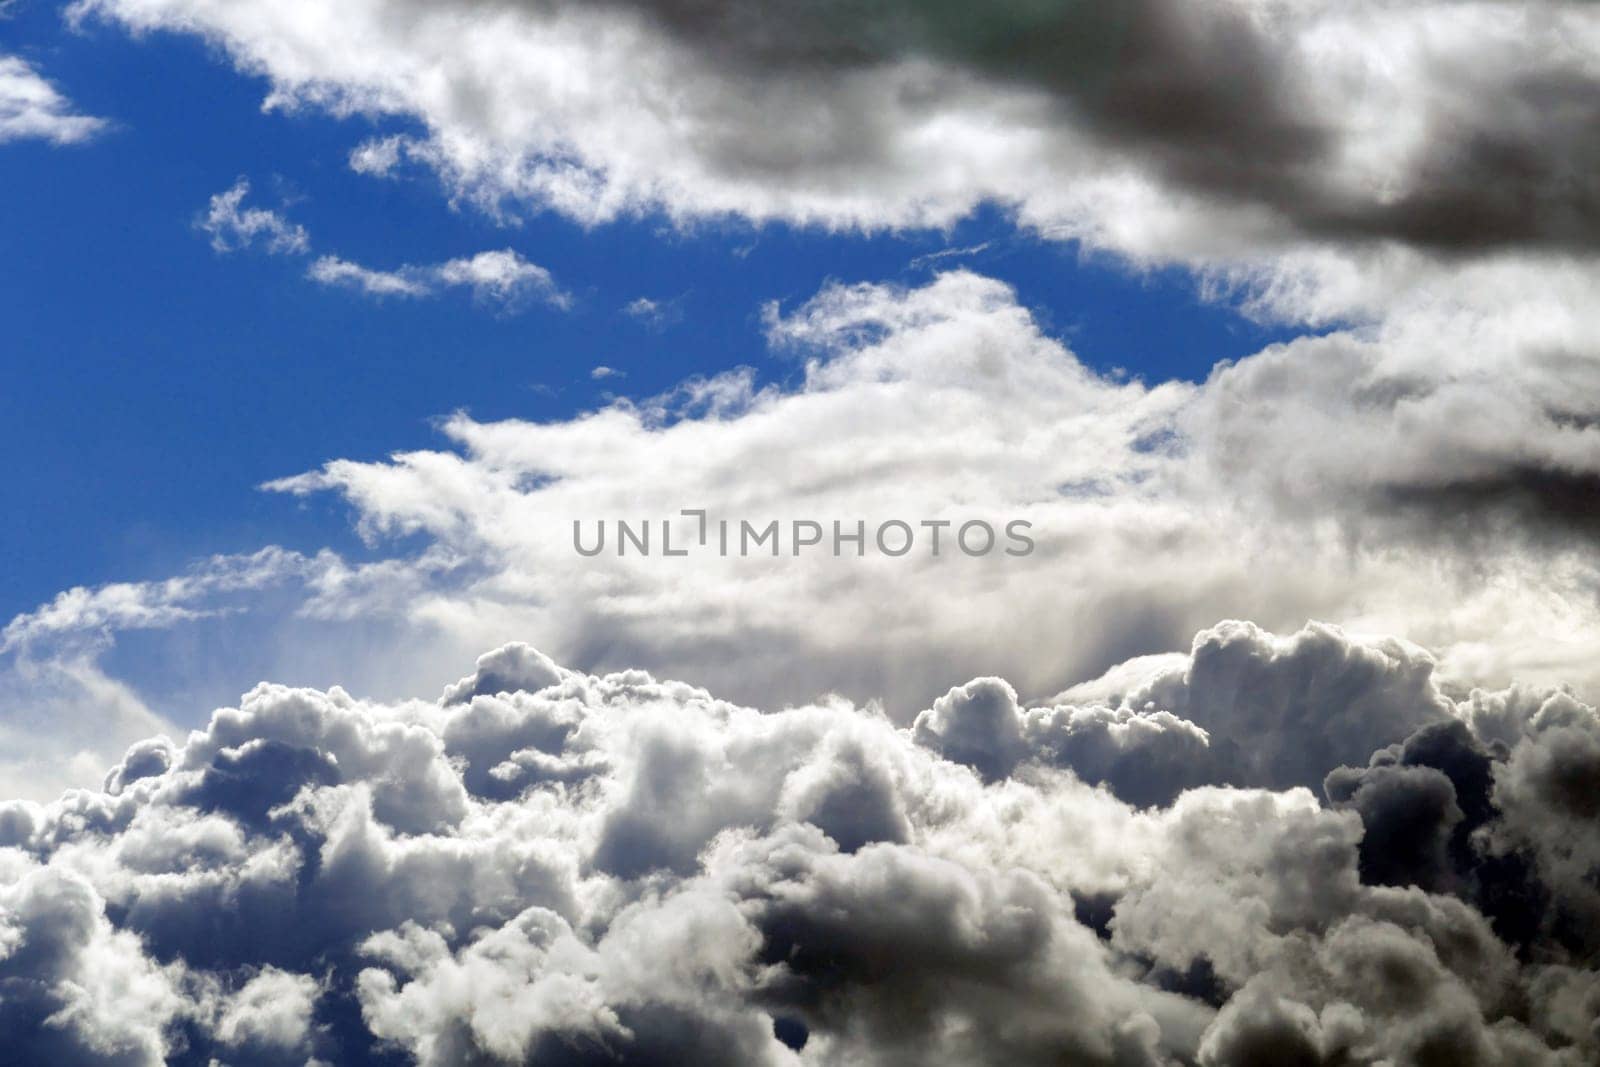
column 547, row 866
column 1312, row 480
column 1444, row 126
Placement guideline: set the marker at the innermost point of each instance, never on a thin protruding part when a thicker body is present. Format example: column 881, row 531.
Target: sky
column 235, row 363
column 1270, row 322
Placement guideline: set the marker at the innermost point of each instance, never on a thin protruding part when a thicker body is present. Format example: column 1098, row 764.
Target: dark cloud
column 1550, row 503
column 1442, row 452
column 1213, row 97
column 1364, row 123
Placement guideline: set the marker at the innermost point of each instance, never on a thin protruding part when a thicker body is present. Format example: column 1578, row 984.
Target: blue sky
column 151, row 384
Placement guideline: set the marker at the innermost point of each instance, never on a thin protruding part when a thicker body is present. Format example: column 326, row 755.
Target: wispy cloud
column 501, row 279
column 928, row 259
column 233, row 227
column 331, row 270
column 656, row 314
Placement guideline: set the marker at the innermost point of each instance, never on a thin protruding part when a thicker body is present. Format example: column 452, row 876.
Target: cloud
column 565, row 859
column 331, row 270
column 501, row 279
column 602, row 372
column 947, row 403
column 1450, row 127
column 928, row 259
column 233, row 227
column 67, row 714
column 120, row 606
column 1450, row 413
column 377, row 157
column 1264, row 493
column 551, row 866
column 656, row 314
column 32, row 108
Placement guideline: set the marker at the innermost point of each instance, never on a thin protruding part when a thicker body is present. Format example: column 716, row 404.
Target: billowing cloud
column 947, row 404
column 1441, row 125
column 32, row 108
column 547, row 866
column 1217, row 843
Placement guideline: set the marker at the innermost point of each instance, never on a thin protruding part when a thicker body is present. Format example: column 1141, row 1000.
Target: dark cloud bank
column 1214, row 97
column 1273, row 850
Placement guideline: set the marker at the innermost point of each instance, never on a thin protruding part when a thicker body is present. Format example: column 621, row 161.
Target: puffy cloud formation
column 1406, row 177
column 1276, row 491
column 1155, row 508
column 547, row 866
column 32, row 108
column 1442, row 125
column 565, row 860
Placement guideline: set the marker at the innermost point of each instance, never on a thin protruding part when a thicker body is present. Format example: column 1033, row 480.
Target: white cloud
column 91, row 613
column 1305, row 128
column 947, row 403
column 331, row 270
column 377, row 157
column 656, row 314
column 32, row 108
column 546, row 865
column 233, row 227
column 552, row 863
column 66, row 714
column 502, row 279
column 928, row 259
column 602, row 372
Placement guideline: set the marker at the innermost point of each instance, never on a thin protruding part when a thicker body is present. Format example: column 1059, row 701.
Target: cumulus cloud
column 1217, row 843
column 1441, row 125
column 1154, row 511
column 948, row 403
column 31, row 108
column 548, row 866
